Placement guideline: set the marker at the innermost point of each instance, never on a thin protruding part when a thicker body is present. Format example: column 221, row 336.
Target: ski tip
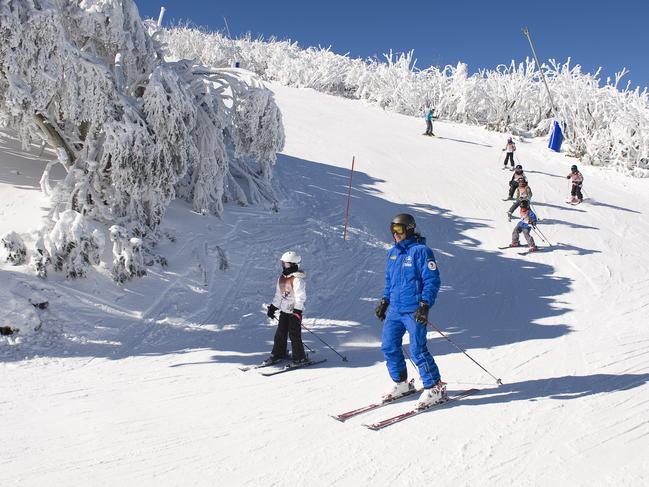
column 372, row 427
column 338, row 418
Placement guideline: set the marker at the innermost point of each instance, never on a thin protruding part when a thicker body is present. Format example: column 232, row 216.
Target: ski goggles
column 397, row 228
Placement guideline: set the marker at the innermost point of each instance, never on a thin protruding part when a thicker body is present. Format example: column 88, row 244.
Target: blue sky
column 481, row 33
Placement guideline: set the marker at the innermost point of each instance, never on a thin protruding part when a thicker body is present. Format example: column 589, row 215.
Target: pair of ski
column 287, row 367
column 402, row 416
column 526, row 252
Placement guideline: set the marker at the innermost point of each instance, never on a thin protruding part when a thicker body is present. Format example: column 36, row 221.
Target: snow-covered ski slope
column 140, row 385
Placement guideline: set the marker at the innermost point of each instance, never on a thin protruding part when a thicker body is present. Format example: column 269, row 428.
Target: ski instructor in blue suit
column 411, row 286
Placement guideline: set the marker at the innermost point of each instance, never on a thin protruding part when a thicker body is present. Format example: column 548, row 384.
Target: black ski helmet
column 518, row 166
column 574, row 168
column 525, row 204
column 407, row 220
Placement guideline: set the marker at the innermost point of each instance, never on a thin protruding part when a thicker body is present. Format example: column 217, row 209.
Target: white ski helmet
column 291, row 257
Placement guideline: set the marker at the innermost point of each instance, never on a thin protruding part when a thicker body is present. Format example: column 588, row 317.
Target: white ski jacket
column 290, row 292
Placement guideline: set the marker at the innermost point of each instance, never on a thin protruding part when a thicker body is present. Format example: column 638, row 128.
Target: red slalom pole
column 349, row 197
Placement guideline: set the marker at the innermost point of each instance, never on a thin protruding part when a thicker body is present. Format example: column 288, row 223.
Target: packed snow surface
column 140, row 384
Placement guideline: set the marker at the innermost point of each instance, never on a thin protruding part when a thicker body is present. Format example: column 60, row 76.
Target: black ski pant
column 576, row 191
column 509, row 157
column 289, row 326
column 512, row 187
column 429, row 127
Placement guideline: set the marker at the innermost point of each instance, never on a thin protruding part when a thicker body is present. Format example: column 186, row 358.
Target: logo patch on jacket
column 431, row 265
column 408, row 262
column 393, row 257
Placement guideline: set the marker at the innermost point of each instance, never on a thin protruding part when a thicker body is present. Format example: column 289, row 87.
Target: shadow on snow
column 487, row 300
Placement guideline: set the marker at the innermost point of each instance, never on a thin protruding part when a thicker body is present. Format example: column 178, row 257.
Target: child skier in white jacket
column 290, row 295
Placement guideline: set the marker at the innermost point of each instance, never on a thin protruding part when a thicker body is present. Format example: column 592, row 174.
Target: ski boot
column 274, row 359
column 397, row 390
column 301, row 361
column 434, row 395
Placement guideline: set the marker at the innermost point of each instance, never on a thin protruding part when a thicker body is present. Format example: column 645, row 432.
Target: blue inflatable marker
column 556, row 138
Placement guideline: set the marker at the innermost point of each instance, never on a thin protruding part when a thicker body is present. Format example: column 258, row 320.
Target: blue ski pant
column 394, row 327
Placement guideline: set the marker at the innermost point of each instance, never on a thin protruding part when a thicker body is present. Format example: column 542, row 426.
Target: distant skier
column 577, row 180
column 430, row 116
column 513, row 182
column 526, row 223
column 523, row 193
column 411, row 285
column 510, row 148
column 290, row 296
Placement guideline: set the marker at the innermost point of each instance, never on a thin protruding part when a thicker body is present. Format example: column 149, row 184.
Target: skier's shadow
column 463, row 141
column 552, row 221
column 578, row 250
column 566, row 207
column 558, row 388
column 593, row 202
column 530, row 171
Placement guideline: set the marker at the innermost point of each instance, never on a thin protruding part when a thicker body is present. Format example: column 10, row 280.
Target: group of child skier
column 521, row 192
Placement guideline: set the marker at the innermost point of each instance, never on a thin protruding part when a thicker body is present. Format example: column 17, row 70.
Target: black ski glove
column 421, row 315
column 298, row 314
column 271, row 311
column 381, row 309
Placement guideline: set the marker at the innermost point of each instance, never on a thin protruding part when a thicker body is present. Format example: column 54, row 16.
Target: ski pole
column 498, row 381
column 409, row 358
column 314, row 334
column 308, row 347
column 542, row 236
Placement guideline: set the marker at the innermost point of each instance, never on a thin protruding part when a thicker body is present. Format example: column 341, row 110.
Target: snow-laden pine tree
column 131, row 130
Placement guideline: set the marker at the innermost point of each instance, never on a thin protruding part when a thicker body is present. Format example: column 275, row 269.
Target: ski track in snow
column 140, row 383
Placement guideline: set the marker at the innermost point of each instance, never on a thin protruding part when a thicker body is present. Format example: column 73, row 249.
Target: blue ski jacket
column 524, row 223
column 411, row 275
column 429, row 114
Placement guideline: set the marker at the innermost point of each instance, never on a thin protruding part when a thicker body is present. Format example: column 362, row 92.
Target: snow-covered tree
column 131, row 130
column 604, row 125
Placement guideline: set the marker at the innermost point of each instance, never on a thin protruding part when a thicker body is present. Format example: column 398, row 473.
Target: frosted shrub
column 72, row 246
column 13, row 248
column 128, row 261
column 604, row 125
